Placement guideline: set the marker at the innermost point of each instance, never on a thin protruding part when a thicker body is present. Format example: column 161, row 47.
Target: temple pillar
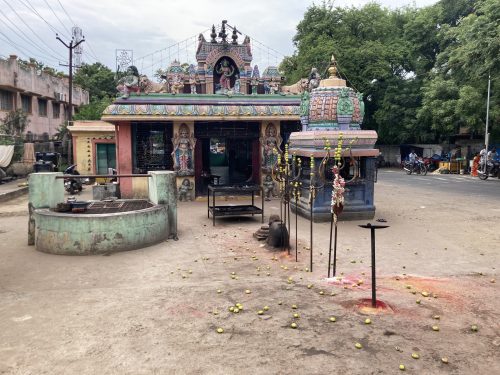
column 180, row 180
column 124, row 157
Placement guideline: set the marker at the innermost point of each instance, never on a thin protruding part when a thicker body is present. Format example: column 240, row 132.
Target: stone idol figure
column 129, row 83
column 183, row 151
column 270, row 142
column 226, row 71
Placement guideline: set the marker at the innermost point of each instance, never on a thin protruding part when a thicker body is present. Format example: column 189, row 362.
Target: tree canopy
column 423, row 71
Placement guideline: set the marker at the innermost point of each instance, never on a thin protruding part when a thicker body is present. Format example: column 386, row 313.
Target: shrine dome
column 333, row 105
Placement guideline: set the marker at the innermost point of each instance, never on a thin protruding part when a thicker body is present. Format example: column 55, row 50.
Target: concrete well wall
column 77, row 234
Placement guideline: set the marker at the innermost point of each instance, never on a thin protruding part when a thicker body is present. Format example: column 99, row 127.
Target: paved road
column 451, row 183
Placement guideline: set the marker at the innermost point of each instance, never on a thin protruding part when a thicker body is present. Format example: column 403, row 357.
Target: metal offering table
column 234, row 209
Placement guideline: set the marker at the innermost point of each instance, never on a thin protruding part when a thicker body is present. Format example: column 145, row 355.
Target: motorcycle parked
column 72, row 185
column 492, row 168
column 418, row 167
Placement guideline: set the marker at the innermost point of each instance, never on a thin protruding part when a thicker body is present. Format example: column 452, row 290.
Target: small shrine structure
column 328, row 110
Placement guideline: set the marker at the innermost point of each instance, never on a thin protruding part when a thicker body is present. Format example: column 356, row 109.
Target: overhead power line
column 21, row 49
column 29, row 27
column 32, row 9
column 69, row 16
column 24, row 36
column 55, row 14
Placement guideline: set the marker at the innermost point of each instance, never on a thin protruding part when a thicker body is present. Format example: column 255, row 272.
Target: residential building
column 41, row 95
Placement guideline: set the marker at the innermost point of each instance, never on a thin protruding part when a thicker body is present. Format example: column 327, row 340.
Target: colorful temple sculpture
column 223, row 121
column 329, row 111
column 216, row 120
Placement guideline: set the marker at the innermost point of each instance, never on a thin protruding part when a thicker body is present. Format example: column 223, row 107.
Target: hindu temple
column 221, row 121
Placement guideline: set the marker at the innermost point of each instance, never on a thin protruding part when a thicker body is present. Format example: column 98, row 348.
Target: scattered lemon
column 233, row 273
column 402, row 367
column 321, row 292
column 260, row 312
column 231, row 308
column 333, row 319
column 415, row 355
column 248, row 291
column 437, row 317
column 368, row 321
column 417, row 302
column 474, row 328
column 266, row 308
column 190, row 271
column 285, row 268
column 444, row 359
column 293, row 325
column 294, row 306
column 220, row 330
column 309, row 286
column 236, row 310
column 435, row 328
column 333, row 294
column 358, row 345
column 296, row 316
column 408, row 287
column 280, row 303
column 219, row 291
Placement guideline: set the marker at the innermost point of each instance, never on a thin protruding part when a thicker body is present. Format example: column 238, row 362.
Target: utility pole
column 486, row 137
column 71, row 47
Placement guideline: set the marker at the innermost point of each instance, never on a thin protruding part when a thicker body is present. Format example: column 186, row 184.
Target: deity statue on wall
column 185, row 191
column 129, row 83
column 267, row 87
column 255, row 85
column 271, row 143
column 226, row 71
column 192, row 83
column 314, row 79
column 183, row 151
column 269, row 187
column 274, row 86
column 176, row 84
column 237, row 84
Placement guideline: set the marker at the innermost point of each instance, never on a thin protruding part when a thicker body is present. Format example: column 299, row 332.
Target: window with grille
column 42, row 107
column 26, row 101
column 56, row 110
column 6, row 100
column 152, row 146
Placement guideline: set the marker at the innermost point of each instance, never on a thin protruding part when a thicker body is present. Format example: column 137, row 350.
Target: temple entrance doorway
column 229, row 154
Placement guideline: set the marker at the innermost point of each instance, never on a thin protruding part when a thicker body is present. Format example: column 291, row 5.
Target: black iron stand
column 372, row 228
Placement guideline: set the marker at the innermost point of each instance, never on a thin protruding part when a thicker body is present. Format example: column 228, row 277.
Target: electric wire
column 72, row 22
column 32, row 9
column 29, row 27
column 21, row 49
column 55, row 14
column 24, row 36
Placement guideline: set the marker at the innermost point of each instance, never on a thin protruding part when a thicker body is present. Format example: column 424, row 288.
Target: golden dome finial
column 332, row 70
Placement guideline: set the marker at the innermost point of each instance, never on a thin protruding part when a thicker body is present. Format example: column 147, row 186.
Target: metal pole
column 486, row 138
column 330, row 247
column 335, row 253
column 311, row 230
column 374, row 286
column 296, row 233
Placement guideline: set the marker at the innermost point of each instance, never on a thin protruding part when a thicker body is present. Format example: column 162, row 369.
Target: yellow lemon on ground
column 266, row 308
column 294, row 306
column 293, row 325
column 444, row 360
column 402, row 367
column 415, row 355
column 231, row 308
column 321, row 292
column 260, row 312
column 435, row 328
column 280, row 302
column 220, row 330
column 358, row 345
column 425, row 294
column 368, row 321
column 333, row 319
column 236, row 310
column 309, row 286
column 436, row 317
column 296, row 316
column 248, row 291
column 474, row 328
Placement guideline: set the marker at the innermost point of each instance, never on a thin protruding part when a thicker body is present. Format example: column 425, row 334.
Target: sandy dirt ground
column 157, row 310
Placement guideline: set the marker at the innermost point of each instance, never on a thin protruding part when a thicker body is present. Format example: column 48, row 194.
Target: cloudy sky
column 156, row 30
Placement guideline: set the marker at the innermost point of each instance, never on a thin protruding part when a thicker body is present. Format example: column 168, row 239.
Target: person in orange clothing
column 475, row 165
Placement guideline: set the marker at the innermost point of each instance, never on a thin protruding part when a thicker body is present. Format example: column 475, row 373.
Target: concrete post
column 45, row 191
column 163, row 190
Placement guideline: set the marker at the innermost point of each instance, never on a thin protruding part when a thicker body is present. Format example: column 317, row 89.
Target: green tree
column 14, row 123
column 93, row 110
column 97, row 79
